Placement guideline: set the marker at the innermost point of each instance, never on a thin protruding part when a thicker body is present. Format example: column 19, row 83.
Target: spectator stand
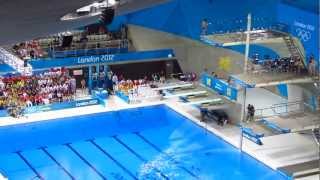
column 84, row 43
column 86, row 52
column 95, row 68
column 48, row 90
column 136, row 91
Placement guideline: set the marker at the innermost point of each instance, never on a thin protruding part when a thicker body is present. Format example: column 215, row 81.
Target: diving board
column 2, row 177
column 266, row 79
column 251, row 135
column 206, row 101
column 274, row 126
column 194, row 93
column 174, row 86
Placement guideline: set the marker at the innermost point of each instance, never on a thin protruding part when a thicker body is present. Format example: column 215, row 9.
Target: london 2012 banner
column 105, row 59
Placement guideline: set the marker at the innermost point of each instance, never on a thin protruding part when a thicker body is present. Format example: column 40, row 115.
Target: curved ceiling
column 27, row 19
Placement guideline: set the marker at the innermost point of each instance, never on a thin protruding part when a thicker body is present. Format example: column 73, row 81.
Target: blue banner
column 86, row 52
column 220, row 86
column 63, row 105
column 241, row 83
column 107, row 59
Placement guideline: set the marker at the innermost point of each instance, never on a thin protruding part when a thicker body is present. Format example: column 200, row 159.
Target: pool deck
column 278, row 151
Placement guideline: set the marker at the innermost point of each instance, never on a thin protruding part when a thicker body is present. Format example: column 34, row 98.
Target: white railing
column 281, row 109
column 15, row 62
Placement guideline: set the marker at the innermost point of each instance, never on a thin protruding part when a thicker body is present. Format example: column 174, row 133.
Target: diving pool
column 153, row 142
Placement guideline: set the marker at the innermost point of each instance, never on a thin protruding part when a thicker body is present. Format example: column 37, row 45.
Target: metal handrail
column 276, row 109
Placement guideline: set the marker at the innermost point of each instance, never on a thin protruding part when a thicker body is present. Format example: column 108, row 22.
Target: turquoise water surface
column 144, row 143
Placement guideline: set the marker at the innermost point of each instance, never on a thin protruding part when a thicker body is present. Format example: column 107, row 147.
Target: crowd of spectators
column 28, row 50
column 138, row 89
column 285, row 64
column 16, row 93
column 92, row 37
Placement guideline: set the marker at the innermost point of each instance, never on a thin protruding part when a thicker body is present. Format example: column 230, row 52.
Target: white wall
column 193, row 56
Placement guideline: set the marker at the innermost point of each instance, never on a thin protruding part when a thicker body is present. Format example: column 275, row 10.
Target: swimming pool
column 152, row 142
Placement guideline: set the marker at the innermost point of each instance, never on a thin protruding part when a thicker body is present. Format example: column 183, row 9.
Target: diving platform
column 192, row 93
column 205, row 101
column 282, row 124
column 239, row 38
column 274, row 126
column 264, row 79
column 173, row 86
column 301, row 170
column 297, row 122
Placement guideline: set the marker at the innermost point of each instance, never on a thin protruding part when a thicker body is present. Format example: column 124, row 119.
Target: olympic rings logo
column 304, row 35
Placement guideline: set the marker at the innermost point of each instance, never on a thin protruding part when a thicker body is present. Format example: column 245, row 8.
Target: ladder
column 15, row 62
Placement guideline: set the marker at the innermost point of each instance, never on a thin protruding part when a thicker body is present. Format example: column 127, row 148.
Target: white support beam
column 207, row 101
column 174, row 86
column 193, row 93
column 247, row 44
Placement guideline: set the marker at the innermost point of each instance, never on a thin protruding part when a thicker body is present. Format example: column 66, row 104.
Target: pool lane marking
column 138, row 156
column 170, row 157
column 85, row 161
column 58, row 164
column 29, row 165
column 113, row 159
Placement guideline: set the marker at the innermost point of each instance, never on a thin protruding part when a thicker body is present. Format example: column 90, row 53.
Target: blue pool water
column 145, row 143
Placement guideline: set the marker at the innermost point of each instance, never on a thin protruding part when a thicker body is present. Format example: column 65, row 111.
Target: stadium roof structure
column 22, row 20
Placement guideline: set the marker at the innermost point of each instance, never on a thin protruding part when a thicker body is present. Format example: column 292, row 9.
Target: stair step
column 15, row 62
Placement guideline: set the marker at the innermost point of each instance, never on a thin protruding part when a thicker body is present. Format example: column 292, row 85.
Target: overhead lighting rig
column 101, row 8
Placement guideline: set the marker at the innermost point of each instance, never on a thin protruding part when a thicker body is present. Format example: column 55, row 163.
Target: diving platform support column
column 246, row 59
column 90, row 79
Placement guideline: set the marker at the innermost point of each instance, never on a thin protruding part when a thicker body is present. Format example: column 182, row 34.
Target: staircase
column 316, row 135
column 15, row 62
column 294, row 50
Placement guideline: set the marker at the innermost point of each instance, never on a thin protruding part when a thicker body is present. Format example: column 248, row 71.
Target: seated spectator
column 48, row 87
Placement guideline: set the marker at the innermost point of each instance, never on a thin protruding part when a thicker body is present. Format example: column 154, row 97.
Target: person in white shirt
column 1, row 84
column 115, row 79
